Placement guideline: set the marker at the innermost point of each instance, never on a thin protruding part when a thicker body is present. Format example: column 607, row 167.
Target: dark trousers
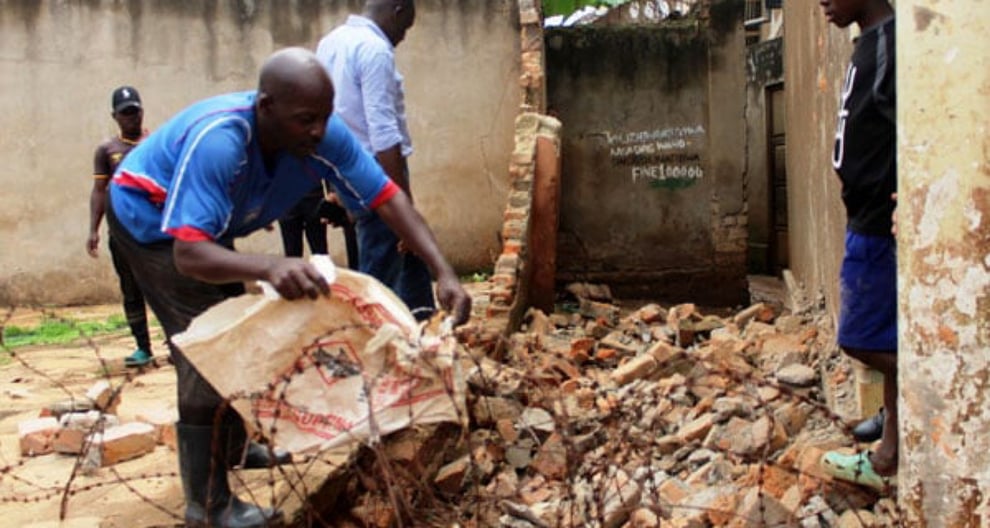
column 406, row 274
column 175, row 300
column 304, row 218
column 307, row 218
column 351, row 242
column 137, row 316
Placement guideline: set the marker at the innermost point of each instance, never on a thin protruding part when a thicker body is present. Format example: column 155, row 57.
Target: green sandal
column 856, row 468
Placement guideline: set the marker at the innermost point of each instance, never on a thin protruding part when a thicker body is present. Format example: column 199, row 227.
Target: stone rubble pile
column 662, row 417
column 89, row 426
column 594, row 416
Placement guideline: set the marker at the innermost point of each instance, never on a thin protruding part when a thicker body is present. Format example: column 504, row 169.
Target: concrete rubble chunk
column 790, row 324
column 754, row 311
column 57, row 409
column 582, row 349
column 488, row 410
column 490, row 377
column 560, row 320
column 651, row 313
column 857, row 519
column 75, row 427
column 797, row 375
column 619, row 494
column 591, row 292
column 644, row 518
column 538, row 322
column 520, row 454
column 760, row 509
column 551, row 459
column 163, row 420
column 537, row 419
column 623, row 343
column 103, row 397
column 673, row 491
column 697, row 429
column 693, row 510
column 665, row 353
column 636, row 368
column 536, row 489
column 120, row 443
column 37, row 436
column 606, row 313
column 722, row 510
column 731, row 406
column 452, row 476
column 520, row 515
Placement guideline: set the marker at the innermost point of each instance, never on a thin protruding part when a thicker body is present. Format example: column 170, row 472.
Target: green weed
column 52, row 331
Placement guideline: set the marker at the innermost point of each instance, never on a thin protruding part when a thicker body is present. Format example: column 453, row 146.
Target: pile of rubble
column 88, row 428
column 594, row 416
column 661, row 417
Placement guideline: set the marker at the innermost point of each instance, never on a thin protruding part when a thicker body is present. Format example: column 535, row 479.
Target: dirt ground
column 32, row 490
column 47, row 491
column 144, row 492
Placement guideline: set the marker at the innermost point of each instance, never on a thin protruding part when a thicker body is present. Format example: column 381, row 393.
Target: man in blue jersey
column 221, row 169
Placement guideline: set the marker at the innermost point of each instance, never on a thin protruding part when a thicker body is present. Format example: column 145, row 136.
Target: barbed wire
column 589, row 453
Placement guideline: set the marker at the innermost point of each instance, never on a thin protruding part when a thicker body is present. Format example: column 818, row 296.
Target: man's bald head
column 292, row 70
column 295, row 100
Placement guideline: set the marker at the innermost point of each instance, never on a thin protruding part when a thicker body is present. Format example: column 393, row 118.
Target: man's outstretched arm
column 208, row 261
column 407, row 223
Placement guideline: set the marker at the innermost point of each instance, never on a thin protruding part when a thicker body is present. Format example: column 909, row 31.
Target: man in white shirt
column 359, row 55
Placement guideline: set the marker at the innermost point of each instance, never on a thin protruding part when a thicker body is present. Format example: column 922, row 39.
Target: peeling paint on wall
column 944, row 264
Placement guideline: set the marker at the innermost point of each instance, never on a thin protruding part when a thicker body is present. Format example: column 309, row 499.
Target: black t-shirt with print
column 865, row 150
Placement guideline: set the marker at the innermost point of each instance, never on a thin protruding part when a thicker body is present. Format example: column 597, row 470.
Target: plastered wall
column 59, row 61
column 943, row 260
column 815, row 58
column 653, row 139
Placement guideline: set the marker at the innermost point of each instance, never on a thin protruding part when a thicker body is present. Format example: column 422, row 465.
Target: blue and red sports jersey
column 201, row 176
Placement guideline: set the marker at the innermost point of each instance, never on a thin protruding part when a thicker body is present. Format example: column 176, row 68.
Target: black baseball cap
column 124, row 97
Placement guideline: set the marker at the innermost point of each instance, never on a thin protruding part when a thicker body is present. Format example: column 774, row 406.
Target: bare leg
column 884, row 457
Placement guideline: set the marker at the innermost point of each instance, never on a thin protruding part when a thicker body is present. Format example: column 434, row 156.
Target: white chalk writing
column 663, row 172
column 665, row 157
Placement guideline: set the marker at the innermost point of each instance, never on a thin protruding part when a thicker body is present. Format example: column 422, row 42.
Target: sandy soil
column 33, row 490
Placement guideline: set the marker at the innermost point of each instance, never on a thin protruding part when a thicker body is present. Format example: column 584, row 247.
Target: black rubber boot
column 252, row 455
column 258, row 456
column 209, row 502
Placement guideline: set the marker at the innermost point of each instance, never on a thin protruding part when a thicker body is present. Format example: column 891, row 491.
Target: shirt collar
column 360, row 21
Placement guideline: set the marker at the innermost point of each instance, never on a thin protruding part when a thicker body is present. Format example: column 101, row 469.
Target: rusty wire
column 382, row 492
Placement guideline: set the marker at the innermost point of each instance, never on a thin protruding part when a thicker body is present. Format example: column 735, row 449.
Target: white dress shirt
column 369, row 94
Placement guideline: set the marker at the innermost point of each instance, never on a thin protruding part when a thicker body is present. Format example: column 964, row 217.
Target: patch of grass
column 480, row 276
column 53, row 331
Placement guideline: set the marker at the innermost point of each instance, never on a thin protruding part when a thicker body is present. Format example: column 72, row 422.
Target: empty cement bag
column 311, row 375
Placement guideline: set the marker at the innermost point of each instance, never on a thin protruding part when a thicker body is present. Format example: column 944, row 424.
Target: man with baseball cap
column 125, row 106
column 125, row 97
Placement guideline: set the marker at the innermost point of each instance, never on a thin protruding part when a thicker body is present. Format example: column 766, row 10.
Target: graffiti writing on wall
column 664, row 157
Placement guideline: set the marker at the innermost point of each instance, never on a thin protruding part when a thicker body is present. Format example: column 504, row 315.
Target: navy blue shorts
column 868, row 284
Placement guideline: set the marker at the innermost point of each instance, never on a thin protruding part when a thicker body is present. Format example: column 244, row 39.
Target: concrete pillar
column 943, row 82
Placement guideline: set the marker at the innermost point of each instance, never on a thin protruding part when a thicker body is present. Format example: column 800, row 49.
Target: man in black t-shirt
column 864, row 157
column 126, row 110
